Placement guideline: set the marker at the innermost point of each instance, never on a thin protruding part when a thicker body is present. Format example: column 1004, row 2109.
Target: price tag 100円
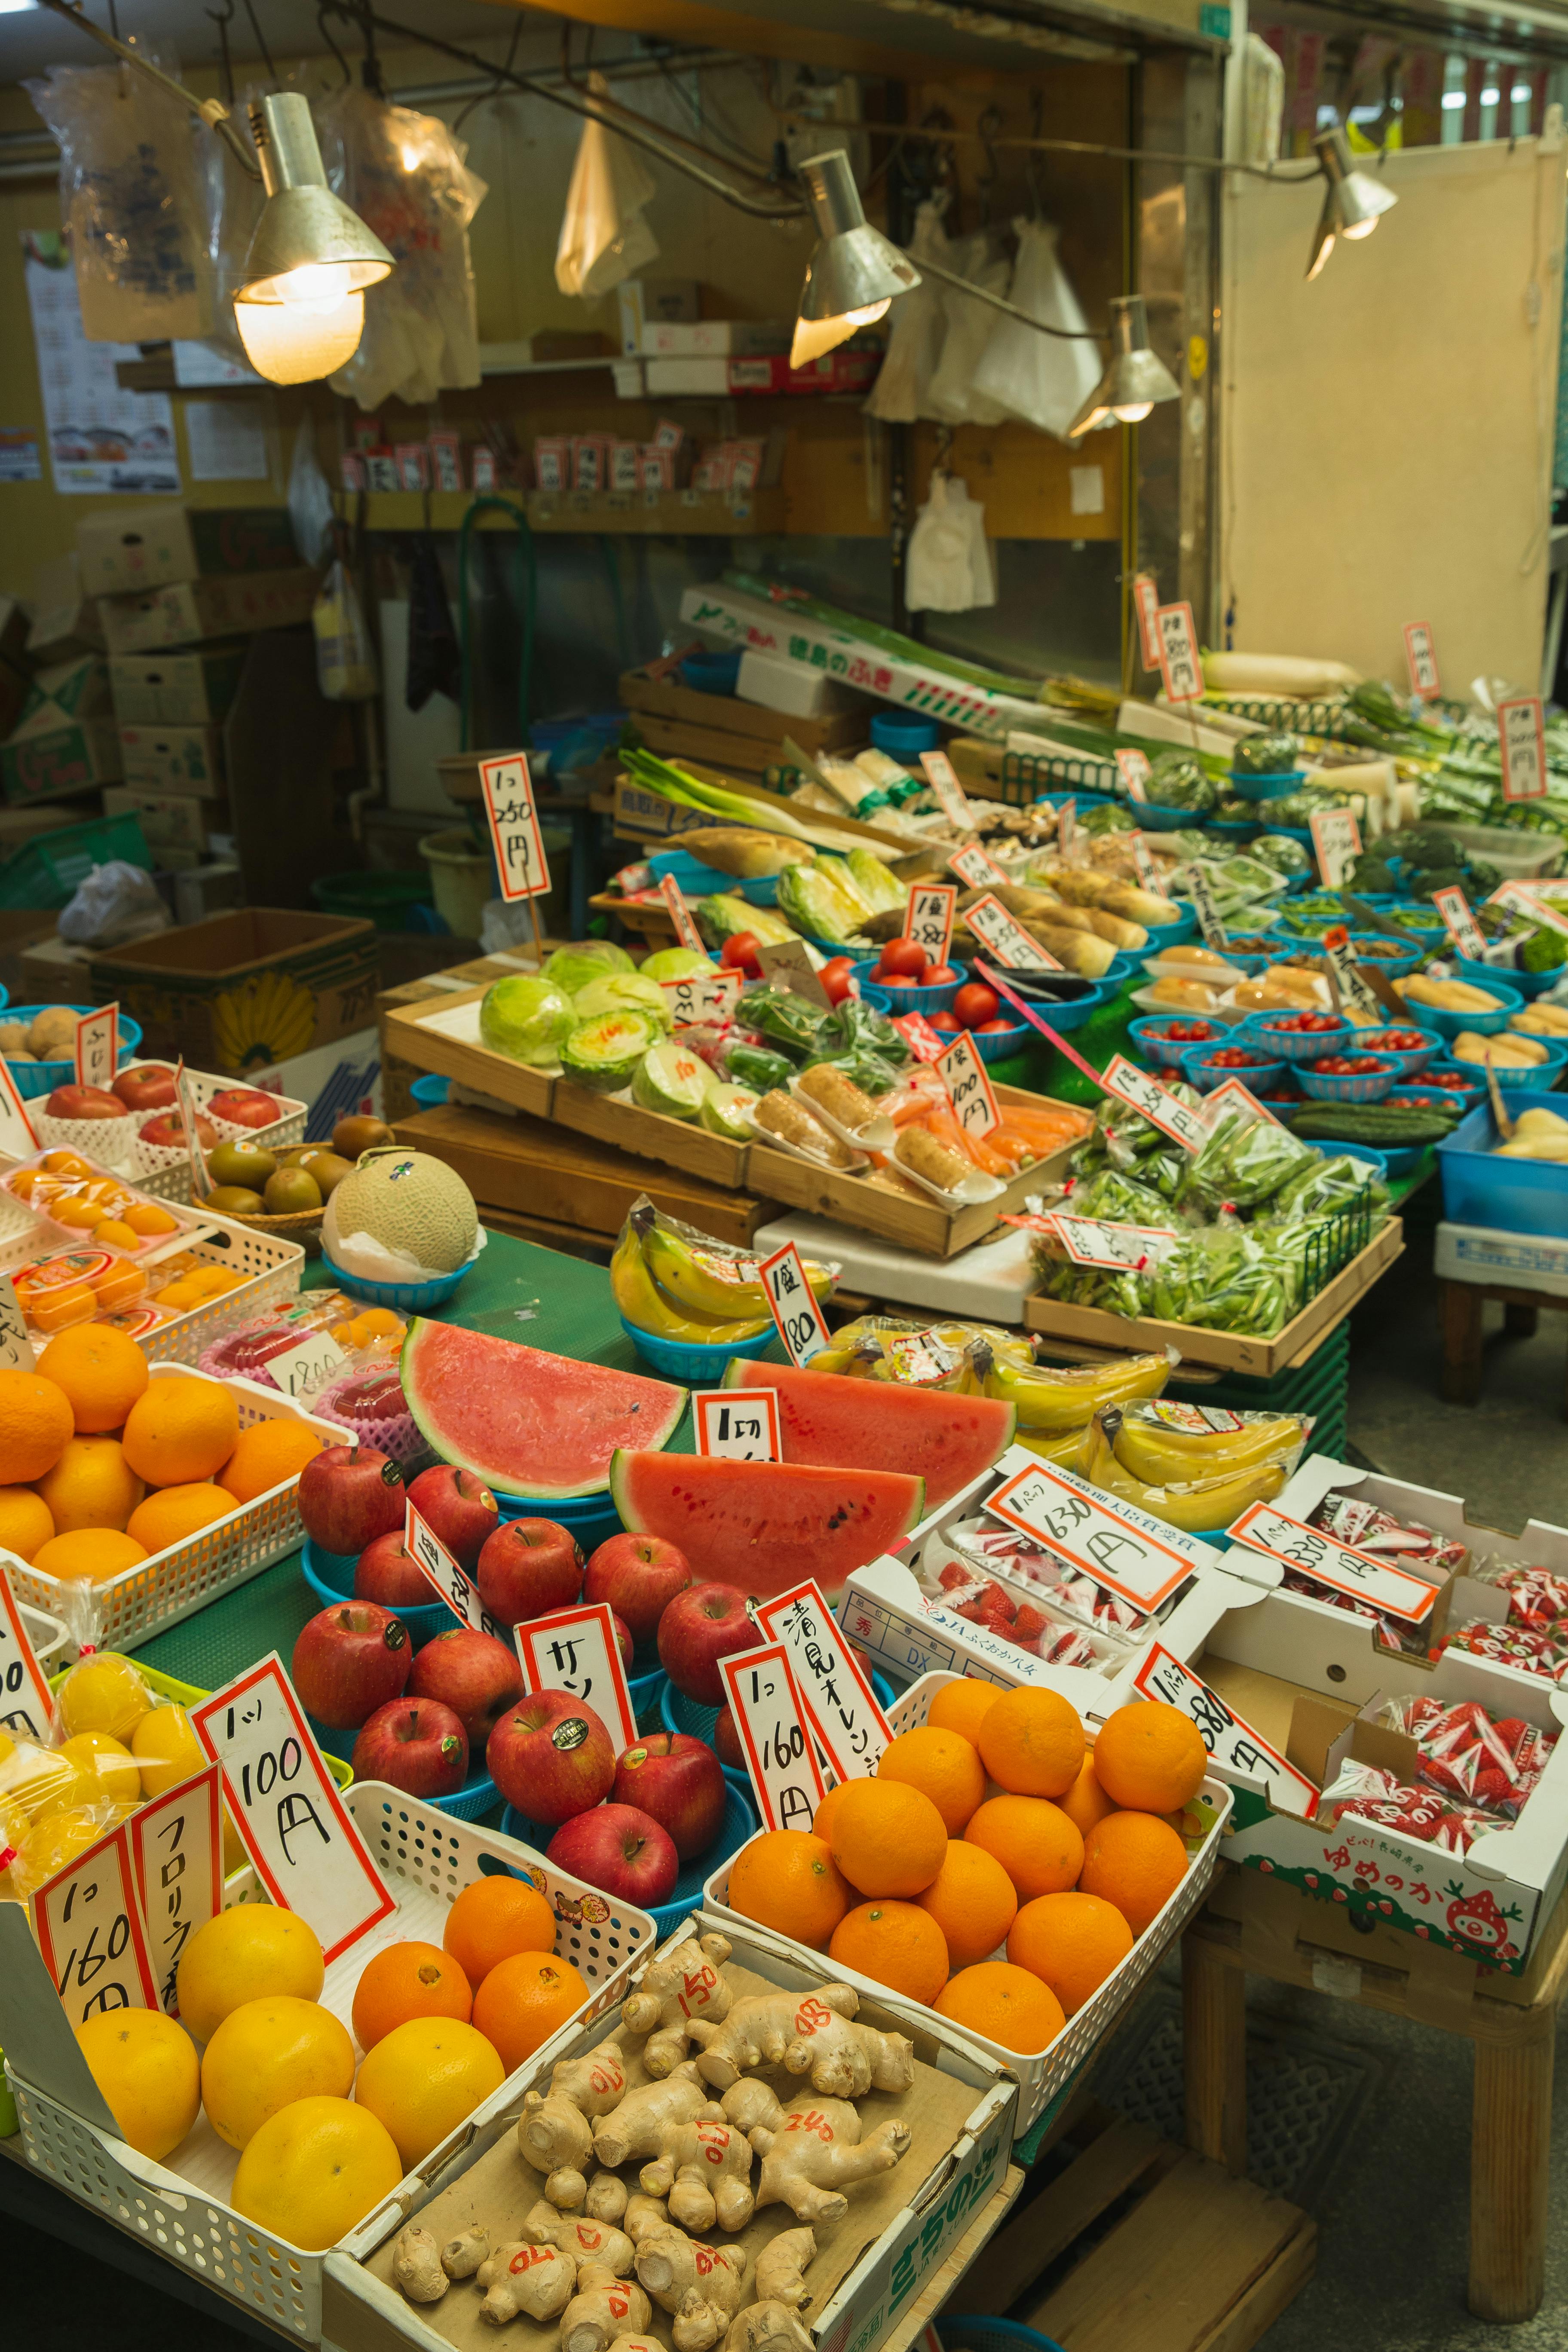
column 793, row 1304
column 177, row 1854
column 776, row 1737
column 90, row 1929
column 575, row 1649
column 839, row 1702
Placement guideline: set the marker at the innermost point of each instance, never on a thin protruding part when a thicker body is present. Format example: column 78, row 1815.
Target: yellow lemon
column 166, row 1749
column 50, row 1844
column 38, row 1780
column 145, row 2065
column 264, row 2056
column 103, row 1693
column 246, row 1954
column 106, row 1767
column 313, row 2170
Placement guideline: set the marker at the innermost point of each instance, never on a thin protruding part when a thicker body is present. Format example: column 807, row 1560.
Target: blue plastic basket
column 1148, row 1041
column 677, row 1359
column 711, row 673
column 740, row 1822
column 330, row 1577
column 899, row 1001
column 1267, row 788
column 1445, row 1023
column 1540, row 1075
column 407, row 1298
column 1154, row 817
column 1410, row 1058
column 1368, row 944
column 1529, row 983
column 1442, row 1064
column 1516, row 1196
column 32, row 1078
column 1236, row 828
column 1000, row 1043
column 695, row 880
column 1375, row 1161
column 469, row 1804
column 1199, row 1071
column 683, row 1714
column 1295, row 1046
column 1171, row 935
column 1366, row 1086
column 1072, row 1013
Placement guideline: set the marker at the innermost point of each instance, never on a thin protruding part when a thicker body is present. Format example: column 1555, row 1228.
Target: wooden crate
column 397, row 1075
column 1231, row 1351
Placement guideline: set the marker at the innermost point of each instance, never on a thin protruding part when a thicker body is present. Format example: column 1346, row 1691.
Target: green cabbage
column 585, row 961
column 526, row 1017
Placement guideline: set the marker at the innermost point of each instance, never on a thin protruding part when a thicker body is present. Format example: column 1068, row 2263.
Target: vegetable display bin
column 1529, row 983
column 899, row 1000
column 676, row 1359
column 1201, row 1071
column 1353, row 1086
column 1276, row 787
column 1517, row 1196
column 1445, row 1023
column 1263, row 1030
column 1153, row 1043
column 330, row 1577
column 1540, row 1075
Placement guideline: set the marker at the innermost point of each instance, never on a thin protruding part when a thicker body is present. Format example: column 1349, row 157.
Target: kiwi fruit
column 292, row 1191
column 236, row 1200
column 327, row 1171
column 242, row 1164
column 357, row 1134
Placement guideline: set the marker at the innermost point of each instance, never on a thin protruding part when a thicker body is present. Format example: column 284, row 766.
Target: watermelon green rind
column 529, row 1423
column 763, row 1527
column 935, row 1434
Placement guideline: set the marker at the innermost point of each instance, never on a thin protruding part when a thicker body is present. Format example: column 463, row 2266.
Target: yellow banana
column 1049, row 1398
column 1161, row 1455
column 1192, row 1504
column 703, row 1280
column 648, row 1309
column 1062, row 1445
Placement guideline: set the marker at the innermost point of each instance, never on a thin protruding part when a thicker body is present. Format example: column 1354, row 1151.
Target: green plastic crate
column 49, row 870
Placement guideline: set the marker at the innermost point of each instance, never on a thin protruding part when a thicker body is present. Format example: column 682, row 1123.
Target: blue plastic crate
column 1515, row 1196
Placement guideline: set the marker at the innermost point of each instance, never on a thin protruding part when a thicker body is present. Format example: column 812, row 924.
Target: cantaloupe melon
column 412, row 1204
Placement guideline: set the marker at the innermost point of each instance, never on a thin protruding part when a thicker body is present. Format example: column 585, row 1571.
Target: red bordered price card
column 1338, row 1566
column 737, row 1424
column 515, row 826
column 1146, row 604
column 1008, row 940
column 1134, row 769
column 15, row 1347
column 575, row 1649
column 451, row 1583
column 1350, row 984
column 775, row 1739
column 951, row 796
column 1148, row 873
column 17, row 1139
column 1203, row 908
column 1421, row 656
column 98, row 1047
column 1117, row 1544
column 1233, row 1095
column 704, row 996
column 1521, row 735
column 838, row 1698
column 686, row 930
column 177, row 1854
column 927, row 917
column 1237, row 1751
column 1525, row 898
column 1089, row 1241
column 26, row 1704
column 305, row 1845
column 1460, row 921
column 1144, row 1094
column 1336, row 837
column 1178, row 653
column 90, row 1931
column 969, row 1087
column 926, row 1044
column 793, row 1304
column 971, row 864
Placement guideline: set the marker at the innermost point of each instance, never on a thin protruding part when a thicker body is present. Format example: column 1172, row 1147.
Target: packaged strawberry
column 1367, row 1794
column 1537, row 1652
column 1404, row 1543
column 1467, row 1753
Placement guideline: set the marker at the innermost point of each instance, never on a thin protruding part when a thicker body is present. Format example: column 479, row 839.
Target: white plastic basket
column 48, row 1636
column 426, row 1859
column 1040, row 2078
column 141, row 1600
column 168, row 1175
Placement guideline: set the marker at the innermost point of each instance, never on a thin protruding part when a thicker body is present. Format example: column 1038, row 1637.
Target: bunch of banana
column 1151, row 1447
column 678, row 1290
column 1049, row 1401
column 647, row 1307
column 1193, row 1501
column 871, row 1348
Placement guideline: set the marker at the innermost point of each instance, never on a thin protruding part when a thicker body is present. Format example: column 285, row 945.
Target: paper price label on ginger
column 176, row 1855
column 450, row 1581
column 305, row 1845
column 950, row 794
column 90, row 1930
column 1008, row 940
column 26, row 1708
column 840, row 1704
column 1158, row 1106
column 775, row 1740
column 1460, row 921
column 927, row 917
column 1342, row 1568
column 1235, row 1750
column 1116, row 1543
column 515, row 826
column 576, row 1650
column 969, row 1087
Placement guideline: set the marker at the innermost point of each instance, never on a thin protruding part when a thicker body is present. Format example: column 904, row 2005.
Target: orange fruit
column 1150, row 1757
column 789, row 1880
column 145, row 2065
column 78, row 1211
column 492, row 1920
column 1006, row 2004
column 180, row 1430
column 897, row 1944
column 145, row 1217
column 91, row 1485
column 114, row 1233
column 269, row 1451
column 943, row 1766
column 246, row 1954
column 314, row 2169
column 1032, row 1742
column 408, row 1980
column 521, row 2003
column 173, row 1514
column 822, row 1820
column 963, row 1706
column 1033, row 1839
column 25, row 1521
column 266, row 2054
column 424, row 2077
column 972, row 1901
column 35, row 1423
column 1071, row 1942
column 95, row 1553
column 102, row 1370
column 888, row 1838
column 1086, row 1801
column 1135, row 1862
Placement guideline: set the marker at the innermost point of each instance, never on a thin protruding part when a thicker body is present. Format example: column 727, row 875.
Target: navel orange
column 898, row 1944
column 1071, row 1942
column 102, row 1370
column 404, row 1980
column 788, row 1880
column 35, row 1423
column 962, row 1706
column 172, row 1515
column 95, row 1553
column 1033, row 1839
column 887, row 1838
column 267, row 1454
column 1150, row 1757
column 1136, row 1861
column 972, row 1901
column 180, row 1430
column 493, row 1919
column 1086, row 1801
column 1004, row 2003
column 943, row 1766
column 91, row 1485
column 521, row 2003
column 1032, row 1742
column 25, row 1521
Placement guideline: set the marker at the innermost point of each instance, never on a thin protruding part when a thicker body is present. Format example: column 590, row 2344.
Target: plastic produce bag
column 948, row 567
column 953, row 397
column 1039, row 379
column 345, row 659
column 115, row 903
column 917, row 325
column 309, row 496
column 604, row 236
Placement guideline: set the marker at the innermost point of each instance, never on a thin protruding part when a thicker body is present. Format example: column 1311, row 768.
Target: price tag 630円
column 775, row 1738
column 1115, row 1543
column 793, row 1304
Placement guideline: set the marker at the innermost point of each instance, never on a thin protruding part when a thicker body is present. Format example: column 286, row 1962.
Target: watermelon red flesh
column 764, row 1526
column 826, row 1419
column 526, row 1422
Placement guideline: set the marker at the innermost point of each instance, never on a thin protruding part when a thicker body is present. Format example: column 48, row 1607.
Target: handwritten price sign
column 1237, row 1752
column 1460, row 921
column 1116, row 1543
column 1337, row 1565
column 737, row 1424
column 704, row 996
column 927, row 917
column 971, row 864
column 1421, row 656
column 453, row 1585
column 950, row 794
column 839, row 1702
column 15, row 1347
column 91, row 1933
column 1336, row 837
column 515, row 826
column 25, row 1705
column 98, row 1047
column 1144, row 1094
column 969, row 1088
column 781, row 1757
column 1146, row 604
column 1178, row 653
column 793, row 1305
column 1521, row 735
column 17, row 1139
column 1134, row 769
column 924, row 1042
column 176, row 1854
column 1203, row 908
column 575, row 1649
column 685, row 930
column 1008, row 940
column 1124, row 1249
column 308, row 1365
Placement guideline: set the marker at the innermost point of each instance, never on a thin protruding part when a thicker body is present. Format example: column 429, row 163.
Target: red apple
column 676, row 1780
column 473, row 1674
column 387, row 1572
column 624, row 1641
column 457, row 1508
column 550, row 1756
column 350, row 1660
column 639, row 1576
column 620, row 1850
column 699, row 1627
column 416, row 1744
column 245, row 1107
column 349, row 1494
column 148, row 1086
column 84, row 1102
column 169, row 1128
column 727, row 1741
column 527, row 1568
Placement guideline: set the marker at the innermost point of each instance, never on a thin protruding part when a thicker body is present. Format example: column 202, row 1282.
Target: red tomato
column 946, row 1021
column 975, row 1004
column 990, row 1028
column 836, row 976
column 905, row 957
column 938, row 975
column 739, row 952
column 894, row 980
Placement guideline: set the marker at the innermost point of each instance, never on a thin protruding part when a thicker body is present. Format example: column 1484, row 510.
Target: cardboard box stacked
column 739, row 738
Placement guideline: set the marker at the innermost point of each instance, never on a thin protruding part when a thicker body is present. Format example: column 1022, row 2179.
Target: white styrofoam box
column 426, row 1859
column 1042, row 2077
column 777, row 685
column 888, row 2273
column 1481, row 1254
column 990, row 1280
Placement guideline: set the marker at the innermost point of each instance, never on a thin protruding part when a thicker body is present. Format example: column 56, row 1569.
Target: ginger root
column 535, row 2280
column 704, row 2168
column 461, row 2255
column 678, row 1985
column 554, row 2133
column 643, row 2214
column 846, row 2060
column 760, row 2030
column 584, row 2240
column 782, row 2266
column 606, row 2200
column 702, row 2285
column 816, row 2152
column 633, row 2130
column 417, row 2265
column 603, row 2308
column 767, row 2327
column 749, row 2104
column 636, row 2344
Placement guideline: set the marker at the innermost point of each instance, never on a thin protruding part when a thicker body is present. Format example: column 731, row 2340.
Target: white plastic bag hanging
column 310, row 496
column 604, row 236
column 954, row 396
column 1041, row 380
column 917, row 324
column 345, row 659
column 948, row 566
column 113, row 903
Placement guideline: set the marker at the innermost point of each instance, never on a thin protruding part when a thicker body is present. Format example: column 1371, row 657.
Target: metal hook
column 260, row 42
column 369, row 71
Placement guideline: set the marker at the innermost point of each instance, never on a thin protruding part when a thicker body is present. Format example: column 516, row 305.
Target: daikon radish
column 1292, row 675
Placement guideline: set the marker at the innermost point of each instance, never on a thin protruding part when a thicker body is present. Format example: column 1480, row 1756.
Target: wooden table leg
column 1510, row 2150
column 1462, row 1310
column 1214, row 2039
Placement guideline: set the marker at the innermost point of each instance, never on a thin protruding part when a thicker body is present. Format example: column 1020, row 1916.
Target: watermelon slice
column 526, row 1422
column 826, row 1418
column 763, row 1527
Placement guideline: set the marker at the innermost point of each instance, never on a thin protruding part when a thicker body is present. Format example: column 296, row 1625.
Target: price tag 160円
column 775, row 1739
column 25, row 1705
column 90, row 1930
column 793, row 1304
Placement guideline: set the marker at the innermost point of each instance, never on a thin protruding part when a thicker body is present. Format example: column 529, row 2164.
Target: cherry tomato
column 938, row 975
column 1233, row 1058
column 895, row 980
column 907, row 958
column 1449, row 1079
column 836, row 976
column 946, row 1021
column 1185, row 1033
column 1307, row 1024
column 993, row 1028
column 975, row 1004
column 739, row 952
column 1345, row 1066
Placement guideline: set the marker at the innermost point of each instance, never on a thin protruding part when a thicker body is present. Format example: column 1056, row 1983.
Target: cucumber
column 1373, row 1123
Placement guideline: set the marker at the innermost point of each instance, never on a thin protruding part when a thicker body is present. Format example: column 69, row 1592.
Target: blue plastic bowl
column 1235, row 828
column 1073, row 1012
column 4, row 995
column 407, row 1298
column 1149, row 1041
column 1445, row 1023
column 330, row 1577
column 1295, row 1046
column 430, row 1093
column 1413, row 1091
column 696, row 880
column 683, row 1714
column 675, row 1359
column 1366, row 1086
column 713, row 673
column 1376, row 1160
column 1267, row 788
column 1442, row 1064
column 31, row 1079
column 474, row 1799
column 1199, row 1071
column 1003, row 1042
column 738, row 1825
column 978, row 2333
column 1171, row 935
column 1154, row 817
column 1393, row 967
column 1529, row 983
column 1410, row 1058
column 908, row 1000
column 881, row 1000
column 1541, row 1075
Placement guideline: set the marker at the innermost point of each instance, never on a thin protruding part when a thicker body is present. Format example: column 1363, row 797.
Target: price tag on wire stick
column 308, row 1365
column 306, row 1847
column 1354, row 992
column 1120, row 1248
column 1459, row 918
column 515, row 826
column 927, row 917
column 26, row 1706
column 1232, row 1096
column 438, row 1568
column 1521, row 735
column 791, row 964
column 1067, row 830
column 1237, row 1751
column 1338, row 1566
column 575, row 1649
column 686, row 930
column 1115, row 1543
column 98, row 1047
column 1005, row 937
column 90, row 1930
column 15, row 1347
column 1178, row 653
column 971, row 864
column 176, row 1854
column 737, row 1424
column 775, row 1740
column 951, row 797
column 1027, row 1013
column 793, row 1304
column 838, row 1700
column 704, row 996
column 201, row 1182
column 926, row 1044
column 1421, row 657
column 1148, row 872
column 1144, row 1094
column 1336, row 838
column 17, row 1139
column 1203, row 907
column 1146, row 604
column 969, row 1088
column 1134, row 769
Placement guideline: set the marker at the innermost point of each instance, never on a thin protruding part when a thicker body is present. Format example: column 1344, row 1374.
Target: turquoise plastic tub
column 1514, row 1196
column 34, row 1078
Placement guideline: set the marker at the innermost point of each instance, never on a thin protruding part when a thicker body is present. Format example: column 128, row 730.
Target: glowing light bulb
column 299, row 343
column 1132, row 413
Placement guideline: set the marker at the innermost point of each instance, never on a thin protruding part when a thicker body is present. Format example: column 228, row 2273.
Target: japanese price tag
column 201, row 1181
column 575, row 1649
column 1008, row 940
column 1148, row 873
column 1026, row 1012
column 15, row 1347
column 1526, row 899
column 927, row 917
column 176, row 1854
column 1142, row 1092
column 25, row 1705
column 791, row 965
column 1336, row 838
column 1237, row 1751
column 1146, row 604
column 1337, row 1565
column 308, row 1365
column 515, row 826
column 1116, row 1543
column 1351, row 985
column 1421, row 656
column 1178, row 653
column 16, row 1136
column 1521, row 735
column 840, row 1704
column 90, row 1931
column 1462, row 926
column 1203, row 907
column 971, row 866
column 685, row 930
column 1123, row 1248
column 705, row 996
column 98, row 1047
column 305, row 1845
column 950, row 794
column 1134, row 772
column 793, row 1304
column 737, row 1424
column 1233, row 1095
column 455, row 1586
column 918, row 1357
column 769, row 1719
column 926, row 1044
column 969, row 1088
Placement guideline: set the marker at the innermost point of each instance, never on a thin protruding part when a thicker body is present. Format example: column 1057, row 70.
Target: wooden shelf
column 668, row 514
